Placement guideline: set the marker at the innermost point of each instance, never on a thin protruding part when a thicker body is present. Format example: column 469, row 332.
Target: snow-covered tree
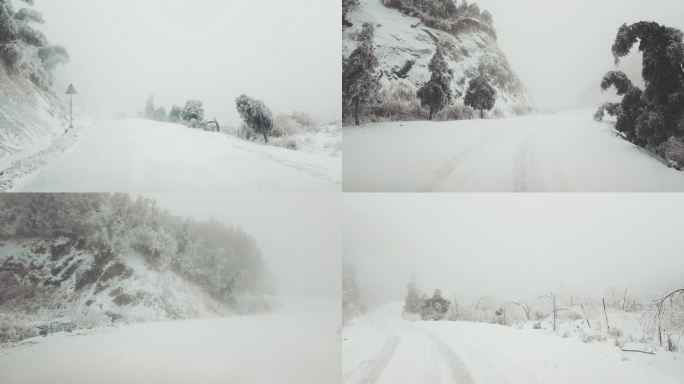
column 359, row 82
column 26, row 48
column 150, row 108
column 351, row 297
column 436, row 93
column 652, row 116
column 193, row 112
column 436, row 307
column 256, row 115
column 412, row 302
column 175, row 114
column 480, row 95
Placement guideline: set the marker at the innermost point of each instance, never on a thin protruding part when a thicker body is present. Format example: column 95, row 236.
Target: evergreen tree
column 480, row 94
column 436, row 93
column 26, row 48
column 412, row 302
column 193, row 112
column 359, row 84
column 649, row 117
column 255, row 114
column 150, row 110
column 175, row 114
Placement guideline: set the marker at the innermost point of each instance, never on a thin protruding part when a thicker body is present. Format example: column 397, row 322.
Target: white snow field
column 146, row 156
column 381, row 347
column 297, row 344
column 567, row 151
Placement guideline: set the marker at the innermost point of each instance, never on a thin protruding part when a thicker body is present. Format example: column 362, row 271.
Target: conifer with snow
column 359, row 81
column 480, row 94
column 436, row 93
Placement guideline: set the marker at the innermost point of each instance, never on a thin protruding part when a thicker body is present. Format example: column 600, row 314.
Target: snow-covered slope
column 76, row 285
column 559, row 152
column 148, row 156
column 298, row 344
column 381, row 347
column 29, row 117
column 400, row 38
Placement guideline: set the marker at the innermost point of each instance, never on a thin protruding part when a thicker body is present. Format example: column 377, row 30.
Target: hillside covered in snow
column 79, row 261
column 405, row 40
column 32, row 115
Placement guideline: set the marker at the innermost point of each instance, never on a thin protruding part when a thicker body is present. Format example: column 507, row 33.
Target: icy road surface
column 568, row 151
column 148, row 156
column 298, row 344
column 383, row 348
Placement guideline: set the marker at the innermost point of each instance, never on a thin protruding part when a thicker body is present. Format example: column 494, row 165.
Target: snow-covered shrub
column 192, row 113
column 399, row 102
column 292, row 124
column 615, row 333
column 673, row 151
column 255, row 113
column 456, row 112
column 436, row 307
column 88, row 317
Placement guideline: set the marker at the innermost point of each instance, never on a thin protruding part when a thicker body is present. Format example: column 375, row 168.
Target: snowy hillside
column 297, row 344
column 77, row 261
column 568, row 151
column 30, row 118
column 401, row 39
column 381, row 347
column 149, row 156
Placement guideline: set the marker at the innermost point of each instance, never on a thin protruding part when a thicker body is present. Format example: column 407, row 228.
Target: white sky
column 561, row 48
column 299, row 234
column 286, row 53
column 514, row 246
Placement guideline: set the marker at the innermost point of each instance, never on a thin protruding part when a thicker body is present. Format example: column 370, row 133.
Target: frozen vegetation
column 78, row 261
column 384, row 347
column 432, row 339
column 388, row 59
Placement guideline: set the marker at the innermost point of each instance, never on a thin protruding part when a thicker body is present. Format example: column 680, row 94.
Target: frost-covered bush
column 255, row 113
column 456, row 112
column 25, row 48
column 192, row 113
column 435, row 308
column 399, row 102
column 292, row 124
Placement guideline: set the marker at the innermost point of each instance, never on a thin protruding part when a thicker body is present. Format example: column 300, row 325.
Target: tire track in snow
column 372, row 368
column 526, row 177
column 457, row 369
column 443, row 173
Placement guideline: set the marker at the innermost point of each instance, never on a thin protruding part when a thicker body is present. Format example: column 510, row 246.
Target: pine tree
column 436, row 93
column 412, row 302
column 480, row 94
column 150, row 109
column 175, row 114
column 359, row 82
column 256, row 114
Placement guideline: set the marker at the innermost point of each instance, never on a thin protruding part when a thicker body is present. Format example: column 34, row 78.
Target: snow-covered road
column 558, row 152
column 381, row 347
column 147, row 156
column 298, row 344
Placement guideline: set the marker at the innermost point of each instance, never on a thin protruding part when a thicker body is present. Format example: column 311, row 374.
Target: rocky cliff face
column 404, row 45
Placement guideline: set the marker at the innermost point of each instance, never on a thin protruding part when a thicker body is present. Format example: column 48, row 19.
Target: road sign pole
column 71, row 112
